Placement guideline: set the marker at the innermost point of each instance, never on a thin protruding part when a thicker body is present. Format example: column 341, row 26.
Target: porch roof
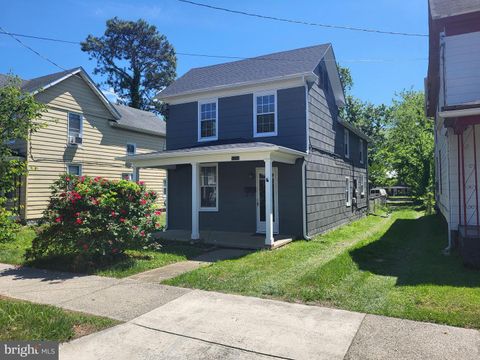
column 216, row 153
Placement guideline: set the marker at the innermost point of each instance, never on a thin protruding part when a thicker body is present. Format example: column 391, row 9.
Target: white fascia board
column 160, row 159
column 248, row 87
column 459, row 113
column 334, row 74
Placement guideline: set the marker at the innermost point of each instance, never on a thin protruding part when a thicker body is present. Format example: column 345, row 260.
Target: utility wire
column 301, row 22
column 260, row 58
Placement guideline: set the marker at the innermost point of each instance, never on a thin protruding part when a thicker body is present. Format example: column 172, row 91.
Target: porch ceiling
column 218, row 153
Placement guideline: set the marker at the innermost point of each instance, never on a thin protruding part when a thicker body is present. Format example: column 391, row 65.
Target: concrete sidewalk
column 173, row 323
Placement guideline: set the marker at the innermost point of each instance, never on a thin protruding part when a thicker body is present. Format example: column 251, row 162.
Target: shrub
column 95, row 217
column 8, row 226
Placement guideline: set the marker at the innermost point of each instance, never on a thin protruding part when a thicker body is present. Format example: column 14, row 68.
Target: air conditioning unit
column 75, row 140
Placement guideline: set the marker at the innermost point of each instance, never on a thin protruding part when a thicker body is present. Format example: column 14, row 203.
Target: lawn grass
column 134, row 262
column 21, row 320
column 389, row 266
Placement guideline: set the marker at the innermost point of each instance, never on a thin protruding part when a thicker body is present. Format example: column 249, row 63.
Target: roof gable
column 267, row 67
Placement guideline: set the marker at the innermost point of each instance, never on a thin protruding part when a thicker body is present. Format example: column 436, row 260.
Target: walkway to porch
column 227, row 239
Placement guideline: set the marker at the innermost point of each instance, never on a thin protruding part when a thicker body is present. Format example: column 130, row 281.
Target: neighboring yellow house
column 85, row 133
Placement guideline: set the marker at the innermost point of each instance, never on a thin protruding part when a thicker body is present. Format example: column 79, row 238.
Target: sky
column 381, row 65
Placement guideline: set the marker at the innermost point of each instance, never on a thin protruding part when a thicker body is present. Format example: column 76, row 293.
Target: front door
column 261, row 200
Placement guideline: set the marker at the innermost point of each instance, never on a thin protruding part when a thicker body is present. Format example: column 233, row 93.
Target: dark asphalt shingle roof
column 280, row 64
column 445, row 8
column 139, row 119
column 42, row 81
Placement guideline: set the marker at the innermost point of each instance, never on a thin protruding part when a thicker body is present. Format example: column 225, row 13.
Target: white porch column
column 195, row 197
column 268, row 203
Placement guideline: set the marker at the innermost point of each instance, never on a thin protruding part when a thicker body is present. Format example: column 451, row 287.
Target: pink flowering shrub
column 96, row 216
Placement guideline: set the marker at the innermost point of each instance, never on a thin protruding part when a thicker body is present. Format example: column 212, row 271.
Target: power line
column 31, row 49
column 301, row 22
column 214, row 56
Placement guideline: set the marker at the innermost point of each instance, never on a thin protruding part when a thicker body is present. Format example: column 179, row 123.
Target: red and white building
column 453, row 99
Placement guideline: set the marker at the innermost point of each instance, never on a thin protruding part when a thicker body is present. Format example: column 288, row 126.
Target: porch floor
column 227, row 239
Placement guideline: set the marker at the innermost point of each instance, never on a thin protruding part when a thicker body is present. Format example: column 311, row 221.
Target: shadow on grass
column 411, row 250
column 75, row 263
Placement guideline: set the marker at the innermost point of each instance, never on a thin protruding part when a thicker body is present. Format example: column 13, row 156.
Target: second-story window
column 265, row 117
column 361, row 151
column 346, row 142
column 208, row 120
column 131, row 149
column 75, row 128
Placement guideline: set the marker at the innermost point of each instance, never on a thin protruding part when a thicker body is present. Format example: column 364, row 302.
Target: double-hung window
column 361, row 151
column 208, row 120
column 348, row 192
column 75, row 128
column 209, row 187
column 74, row 169
column 265, row 114
column 346, row 142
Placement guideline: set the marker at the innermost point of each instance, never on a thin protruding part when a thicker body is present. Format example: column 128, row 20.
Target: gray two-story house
column 256, row 146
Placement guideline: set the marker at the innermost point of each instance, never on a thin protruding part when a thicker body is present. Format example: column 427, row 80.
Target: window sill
column 208, row 209
column 208, row 139
column 265, row 134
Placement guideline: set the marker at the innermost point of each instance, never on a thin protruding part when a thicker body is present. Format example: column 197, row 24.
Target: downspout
column 476, row 172
column 304, row 163
column 449, row 247
column 464, row 184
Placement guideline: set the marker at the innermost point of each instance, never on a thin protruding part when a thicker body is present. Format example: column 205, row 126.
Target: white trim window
column 208, row 187
column 362, row 186
column 361, row 147
column 127, row 176
column 348, row 192
column 346, row 142
column 131, row 149
column 265, row 114
column 74, row 169
column 208, row 120
column 74, row 127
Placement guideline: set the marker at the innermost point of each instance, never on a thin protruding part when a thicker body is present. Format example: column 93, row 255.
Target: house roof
column 445, row 8
column 124, row 116
column 261, row 68
column 139, row 120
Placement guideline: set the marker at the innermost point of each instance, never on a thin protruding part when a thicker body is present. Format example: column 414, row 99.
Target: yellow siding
column 102, row 143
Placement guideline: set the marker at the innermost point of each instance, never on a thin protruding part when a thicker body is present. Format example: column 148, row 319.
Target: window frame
column 200, row 207
column 134, row 149
column 362, row 192
column 199, row 120
column 131, row 176
column 275, row 114
column 346, row 143
column 361, row 148
column 80, row 168
column 348, row 191
column 68, row 126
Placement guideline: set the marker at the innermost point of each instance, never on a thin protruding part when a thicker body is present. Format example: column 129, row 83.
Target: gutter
column 459, row 113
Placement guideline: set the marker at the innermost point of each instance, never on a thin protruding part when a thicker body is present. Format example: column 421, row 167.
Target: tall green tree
column 410, row 144
column 136, row 59
column 20, row 115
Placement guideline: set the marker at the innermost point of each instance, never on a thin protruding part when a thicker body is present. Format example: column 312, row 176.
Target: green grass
column 133, row 263
column 21, row 320
column 390, row 266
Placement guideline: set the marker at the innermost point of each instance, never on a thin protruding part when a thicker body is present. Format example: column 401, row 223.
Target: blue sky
column 381, row 65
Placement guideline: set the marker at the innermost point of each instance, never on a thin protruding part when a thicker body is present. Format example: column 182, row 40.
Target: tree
column 137, row 60
column 19, row 114
column 410, row 142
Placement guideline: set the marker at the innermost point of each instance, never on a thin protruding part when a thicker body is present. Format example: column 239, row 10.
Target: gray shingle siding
column 237, row 199
column 235, row 121
column 327, row 168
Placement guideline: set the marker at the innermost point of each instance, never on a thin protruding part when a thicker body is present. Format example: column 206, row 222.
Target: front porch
column 228, row 239
column 243, row 195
